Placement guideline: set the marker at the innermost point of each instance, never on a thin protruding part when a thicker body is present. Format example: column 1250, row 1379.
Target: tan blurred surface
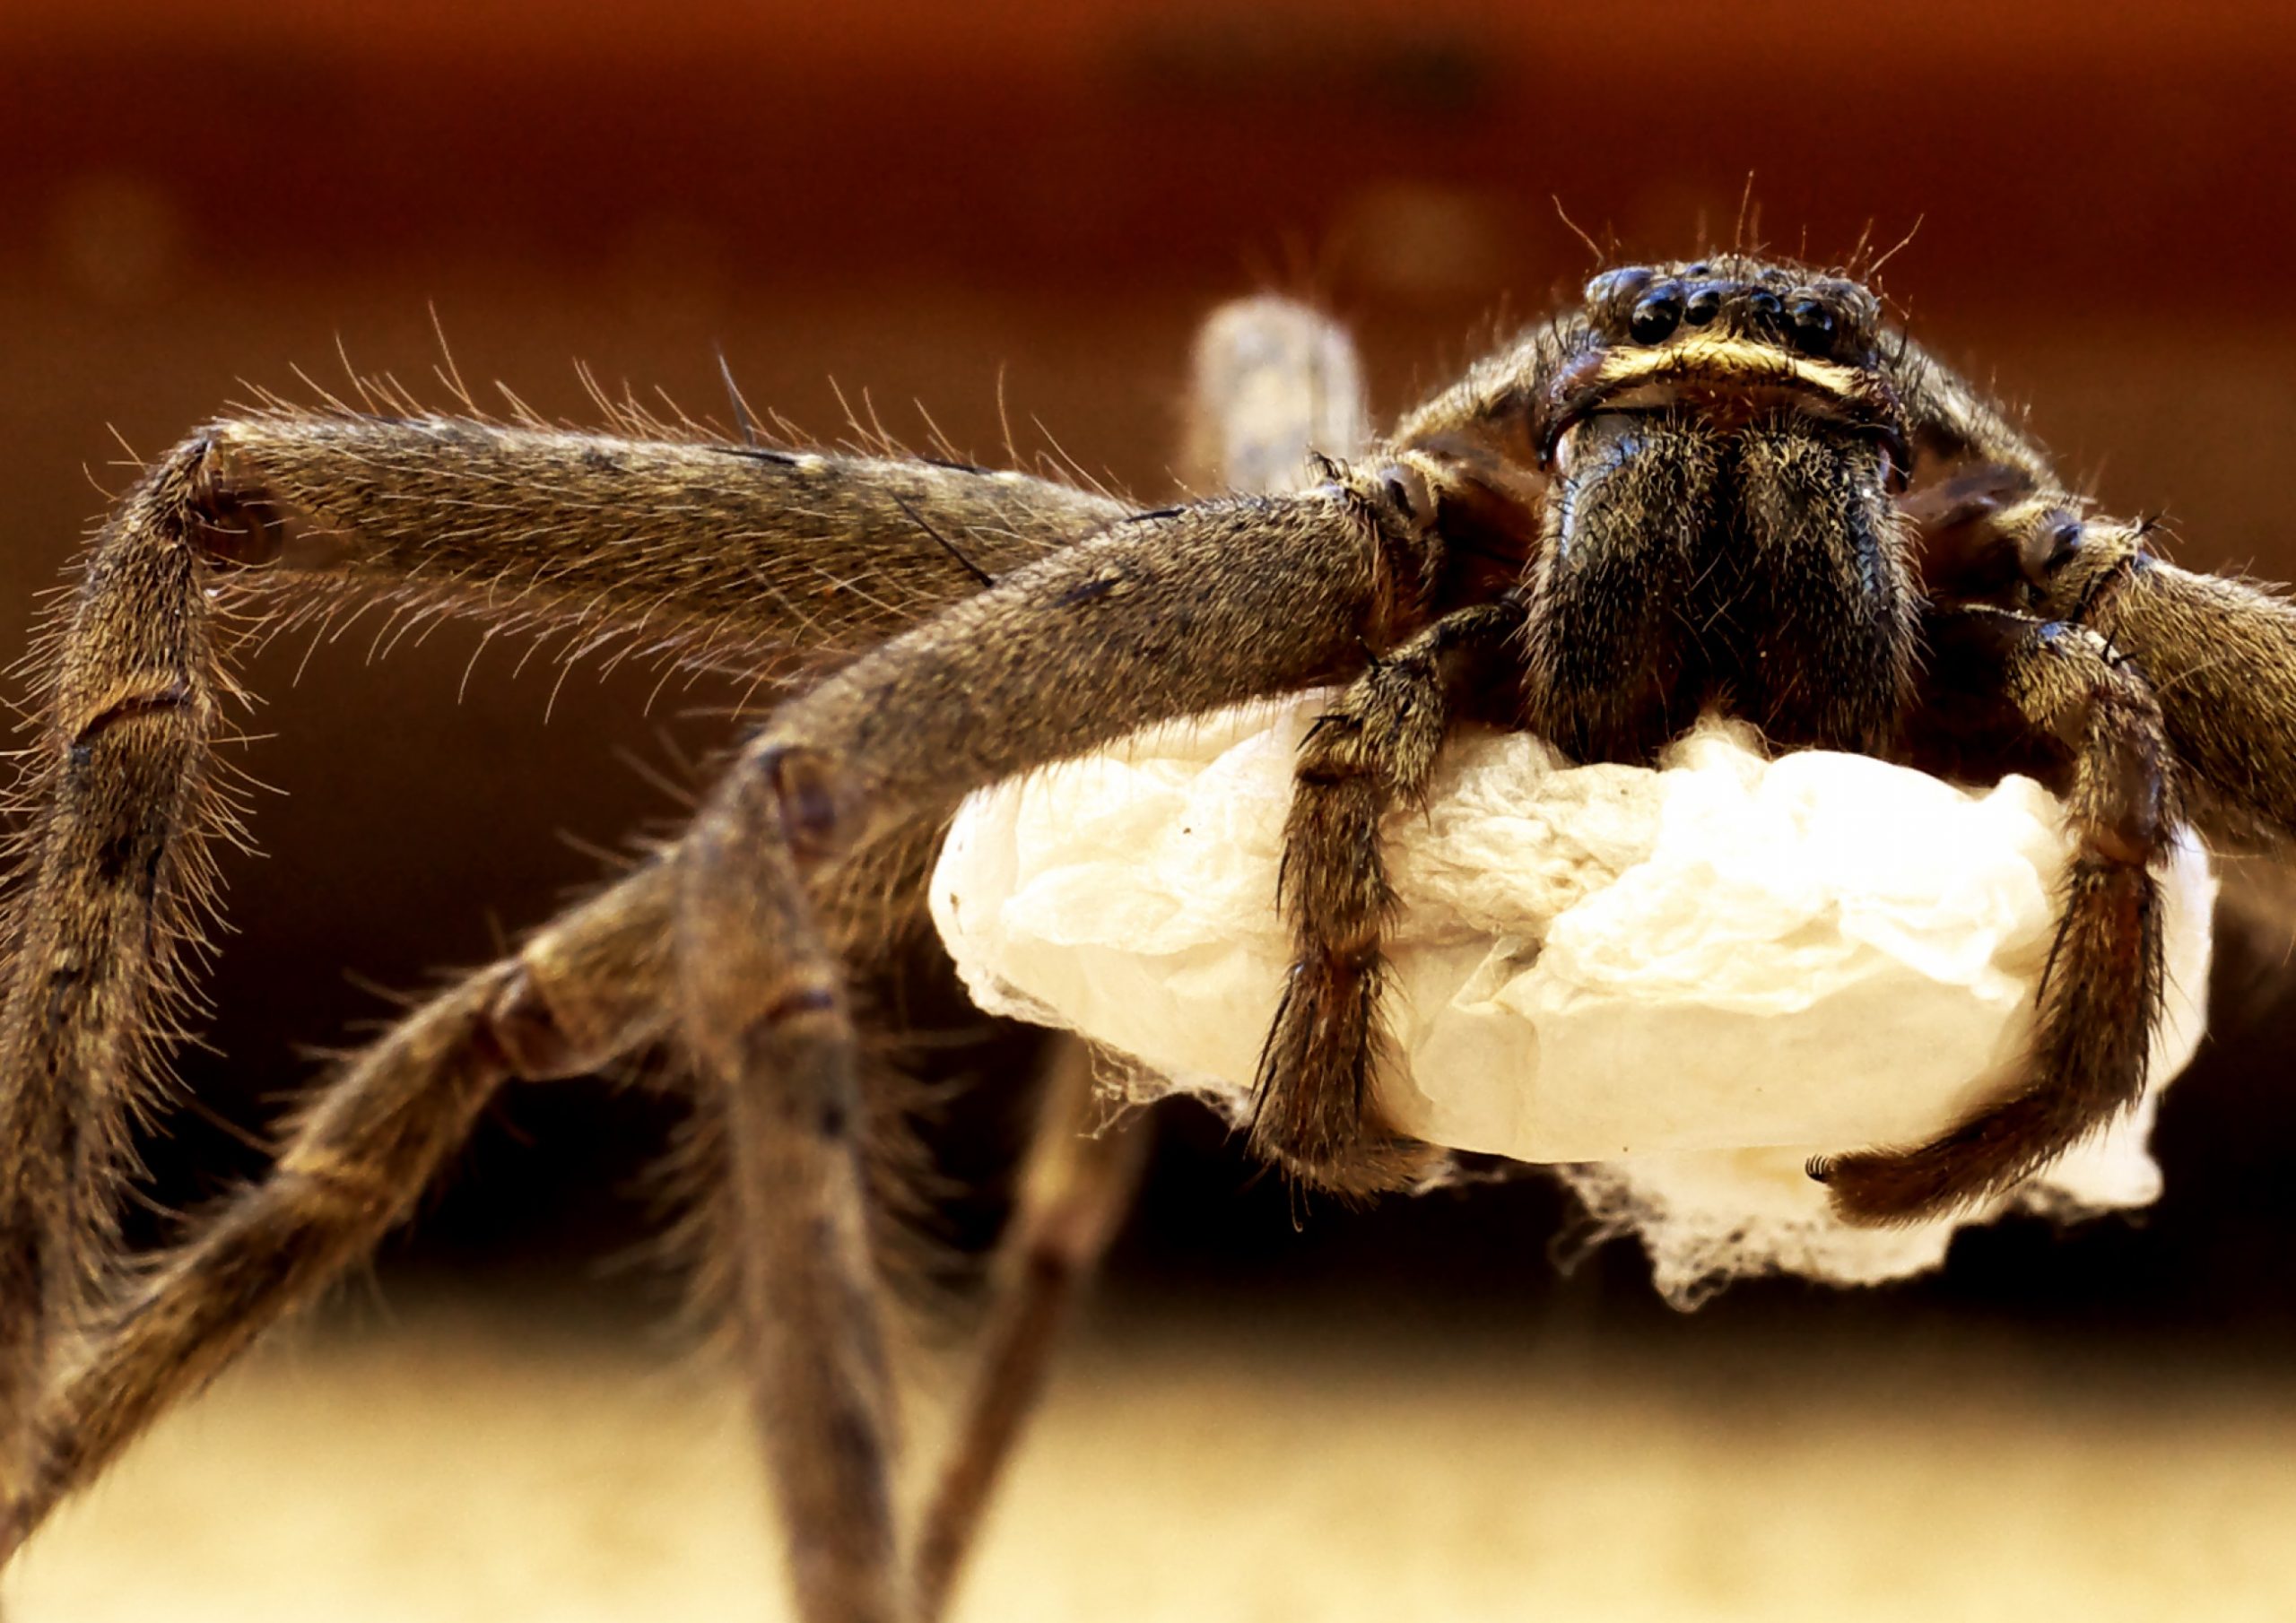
column 459, row 1461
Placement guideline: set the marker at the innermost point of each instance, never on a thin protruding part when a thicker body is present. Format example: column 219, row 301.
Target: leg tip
column 1882, row 1190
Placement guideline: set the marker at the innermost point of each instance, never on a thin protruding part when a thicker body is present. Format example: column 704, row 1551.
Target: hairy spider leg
column 1169, row 615
column 2060, row 646
column 2221, row 656
column 2024, row 689
column 1317, row 1110
column 1076, row 1188
column 352, row 1165
column 111, row 876
column 1274, row 386
column 748, row 559
column 2189, row 712
column 515, row 524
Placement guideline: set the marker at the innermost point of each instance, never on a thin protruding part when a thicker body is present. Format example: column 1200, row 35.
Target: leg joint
column 152, row 701
column 807, row 799
column 524, row 1028
column 231, row 517
column 801, row 1000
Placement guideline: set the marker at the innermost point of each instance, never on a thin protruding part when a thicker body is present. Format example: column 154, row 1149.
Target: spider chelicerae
column 1720, row 485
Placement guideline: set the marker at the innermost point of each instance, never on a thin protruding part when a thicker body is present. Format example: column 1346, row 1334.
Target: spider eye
column 1704, row 306
column 1813, row 326
column 1625, row 280
column 2049, row 547
column 1656, row 315
column 1765, row 310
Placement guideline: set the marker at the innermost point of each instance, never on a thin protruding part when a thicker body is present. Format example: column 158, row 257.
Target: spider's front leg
column 1168, row 615
column 2004, row 690
column 2220, row 654
column 1316, row 1109
column 747, row 558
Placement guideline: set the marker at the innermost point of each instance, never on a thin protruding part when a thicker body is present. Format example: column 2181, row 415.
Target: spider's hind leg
column 1075, row 1189
column 2078, row 707
column 586, row 989
column 109, row 886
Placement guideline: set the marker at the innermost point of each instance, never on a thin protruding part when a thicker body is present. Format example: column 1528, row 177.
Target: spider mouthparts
column 1727, row 382
column 1725, row 368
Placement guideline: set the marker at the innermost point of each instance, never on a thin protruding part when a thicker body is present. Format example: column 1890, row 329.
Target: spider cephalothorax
column 1723, row 485
column 1720, row 442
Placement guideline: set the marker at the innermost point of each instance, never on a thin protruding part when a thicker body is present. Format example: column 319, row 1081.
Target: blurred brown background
column 1036, row 202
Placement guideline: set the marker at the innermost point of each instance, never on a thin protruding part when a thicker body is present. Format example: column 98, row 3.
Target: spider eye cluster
column 1657, row 315
column 1824, row 318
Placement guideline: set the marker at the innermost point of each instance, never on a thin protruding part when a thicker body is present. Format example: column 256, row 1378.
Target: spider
column 1727, row 483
